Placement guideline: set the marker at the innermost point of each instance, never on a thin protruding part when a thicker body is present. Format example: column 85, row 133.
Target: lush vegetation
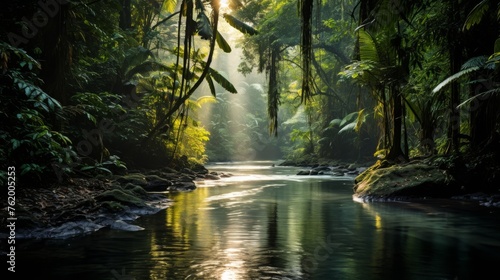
column 95, row 87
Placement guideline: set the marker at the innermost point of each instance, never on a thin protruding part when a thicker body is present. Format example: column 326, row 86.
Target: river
column 266, row 222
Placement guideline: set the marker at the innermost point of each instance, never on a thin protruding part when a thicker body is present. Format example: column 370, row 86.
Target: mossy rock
column 113, row 206
column 134, row 178
column 411, row 180
column 136, row 190
column 121, row 196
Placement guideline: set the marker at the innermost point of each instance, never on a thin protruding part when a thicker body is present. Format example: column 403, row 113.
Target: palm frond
column 239, row 25
column 222, row 81
column 222, row 43
column 367, row 47
column 480, row 95
column 146, row 67
column 455, row 76
column 211, row 85
column 476, row 14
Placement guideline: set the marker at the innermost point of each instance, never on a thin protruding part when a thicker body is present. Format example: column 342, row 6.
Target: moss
column 134, row 178
column 135, row 190
column 123, row 197
column 415, row 179
column 113, row 206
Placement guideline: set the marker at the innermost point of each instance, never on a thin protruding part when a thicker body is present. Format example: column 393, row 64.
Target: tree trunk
column 126, row 15
column 455, row 64
column 395, row 152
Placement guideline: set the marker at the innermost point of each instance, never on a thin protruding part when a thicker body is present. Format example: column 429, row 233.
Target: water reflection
column 281, row 226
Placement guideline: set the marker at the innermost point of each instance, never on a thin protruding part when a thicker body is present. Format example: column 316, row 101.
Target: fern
column 478, row 61
column 454, row 77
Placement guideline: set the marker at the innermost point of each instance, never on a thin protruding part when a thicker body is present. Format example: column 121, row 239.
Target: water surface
column 267, row 223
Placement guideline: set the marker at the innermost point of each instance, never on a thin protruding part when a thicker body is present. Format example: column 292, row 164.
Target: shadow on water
column 267, row 223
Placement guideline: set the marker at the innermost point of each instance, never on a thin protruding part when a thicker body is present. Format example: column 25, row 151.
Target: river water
column 267, row 223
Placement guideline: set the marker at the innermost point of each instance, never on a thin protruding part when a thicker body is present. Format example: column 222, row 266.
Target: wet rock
column 212, row 177
column 137, row 190
column 411, row 180
column 63, row 231
column 122, row 197
column 134, row 178
column 182, row 186
column 157, row 185
column 304, row 172
column 121, row 225
column 313, row 172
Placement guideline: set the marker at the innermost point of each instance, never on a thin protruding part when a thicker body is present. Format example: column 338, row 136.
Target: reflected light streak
column 228, row 275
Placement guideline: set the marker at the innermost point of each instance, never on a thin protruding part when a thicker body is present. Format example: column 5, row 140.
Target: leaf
column 203, row 26
column 476, row 14
column 454, row 77
column 482, row 94
column 360, row 120
column 239, row 25
column 349, row 118
column 367, row 47
column 222, row 43
column 211, row 85
column 87, row 168
column 222, row 81
column 335, row 122
column 348, row 127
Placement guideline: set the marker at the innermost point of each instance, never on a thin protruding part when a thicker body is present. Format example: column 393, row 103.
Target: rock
column 211, row 177
column 411, row 180
column 182, row 186
column 122, row 197
column 121, row 225
column 157, row 185
column 134, row 178
column 137, row 190
column 322, row 168
column 303, row 172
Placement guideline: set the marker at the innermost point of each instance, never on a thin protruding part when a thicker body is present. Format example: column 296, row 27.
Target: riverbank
column 82, row 206
column 466, row 177
column 469, row 178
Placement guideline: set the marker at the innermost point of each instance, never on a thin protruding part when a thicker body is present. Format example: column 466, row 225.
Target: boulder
column 411, row 180
column 304, row 172
column 117, row 195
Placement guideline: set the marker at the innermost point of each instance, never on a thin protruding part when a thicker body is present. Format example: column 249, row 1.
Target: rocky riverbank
column 84, row 205
column 465, row 178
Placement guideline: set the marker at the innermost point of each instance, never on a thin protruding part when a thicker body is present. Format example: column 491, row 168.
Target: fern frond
column 367, row 47
column 478, row 61
column 454, row 77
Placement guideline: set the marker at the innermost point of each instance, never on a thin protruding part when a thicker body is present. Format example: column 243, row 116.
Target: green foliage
column 29, row 141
